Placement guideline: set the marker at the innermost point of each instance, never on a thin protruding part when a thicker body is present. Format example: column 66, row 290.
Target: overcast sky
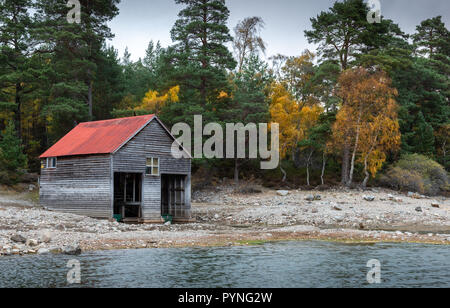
column 140, row 21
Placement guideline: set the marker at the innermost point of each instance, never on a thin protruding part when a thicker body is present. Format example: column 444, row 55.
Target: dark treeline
column 370, row 96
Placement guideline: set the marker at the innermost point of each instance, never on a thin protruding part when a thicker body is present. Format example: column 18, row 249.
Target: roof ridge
column 117, row 119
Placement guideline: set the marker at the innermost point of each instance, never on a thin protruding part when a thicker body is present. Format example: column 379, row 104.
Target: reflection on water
column 288, row 264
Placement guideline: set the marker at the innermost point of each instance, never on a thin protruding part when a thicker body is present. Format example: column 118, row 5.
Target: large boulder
column 71, row 250
column 17, row 238
column 45, row 237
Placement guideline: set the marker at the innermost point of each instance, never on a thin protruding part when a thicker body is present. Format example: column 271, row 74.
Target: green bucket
column 118, row 217
column 167, row 218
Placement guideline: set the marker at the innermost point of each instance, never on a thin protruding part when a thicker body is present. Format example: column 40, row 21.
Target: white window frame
column 49, row 159
column 152, row 166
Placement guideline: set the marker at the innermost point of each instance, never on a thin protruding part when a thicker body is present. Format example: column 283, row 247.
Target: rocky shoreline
column 227, row 218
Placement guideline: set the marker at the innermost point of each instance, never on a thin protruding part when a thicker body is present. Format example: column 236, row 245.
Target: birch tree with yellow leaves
column 368, row 120
column 294, row 121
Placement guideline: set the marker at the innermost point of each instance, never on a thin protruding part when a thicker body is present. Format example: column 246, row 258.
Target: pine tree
column 422, row 99
column 109, row 84
column 343, row 32
column 249, row 102
column 16, row 48
column 73, row 52
column 152, row 55
column 12, row 159
column 421, row 138
column 201, row 57
column 432, row 37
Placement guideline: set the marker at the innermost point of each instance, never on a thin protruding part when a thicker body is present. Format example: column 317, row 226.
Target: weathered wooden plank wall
column 79, row 185
column 152, row 141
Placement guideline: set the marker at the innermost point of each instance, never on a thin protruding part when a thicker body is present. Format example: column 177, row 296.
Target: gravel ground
column 225, row 218
column 334, row 208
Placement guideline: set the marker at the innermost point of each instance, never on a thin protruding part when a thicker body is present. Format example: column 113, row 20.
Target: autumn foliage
column 367, row 122
column 294, row 118
column 154, row 102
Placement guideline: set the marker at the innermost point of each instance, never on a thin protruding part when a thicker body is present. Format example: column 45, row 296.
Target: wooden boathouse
column 121, row 168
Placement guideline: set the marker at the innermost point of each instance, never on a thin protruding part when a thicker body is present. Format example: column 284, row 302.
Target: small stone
column 310, row 198
column 435, row 204
column 282, row 193
column 55, row 250
column 339, row 218
column 419, row 209
column 43, row 251
column 317, row 197
column 414, row 195
column 369, row 198
column 336, row 208
column 17, row 238
column 398, row 200
column 32, row 242
column 216, row 216
column 169, row 223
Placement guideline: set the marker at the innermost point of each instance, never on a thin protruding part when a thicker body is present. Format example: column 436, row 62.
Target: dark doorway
column 173, row 195
column 127, row 196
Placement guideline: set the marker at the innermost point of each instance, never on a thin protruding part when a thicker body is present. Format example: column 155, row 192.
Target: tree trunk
column 307, row 174
column 324, row 164
column 307, row 167
column 355, row 149
column 18, row 112
column 203, row 85
column 284, row 174
column 345, row 164
column 366, row 172
column 352, row 164
column 236, row 172
column 91, row 114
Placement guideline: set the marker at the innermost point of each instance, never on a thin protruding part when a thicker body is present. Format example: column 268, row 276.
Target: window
column 152, row 167
column 51, row 163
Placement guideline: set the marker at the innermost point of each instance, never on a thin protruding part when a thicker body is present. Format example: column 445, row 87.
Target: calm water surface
column 287, row 264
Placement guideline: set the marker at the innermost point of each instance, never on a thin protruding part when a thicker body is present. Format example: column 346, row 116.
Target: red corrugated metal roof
column 102, row 137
